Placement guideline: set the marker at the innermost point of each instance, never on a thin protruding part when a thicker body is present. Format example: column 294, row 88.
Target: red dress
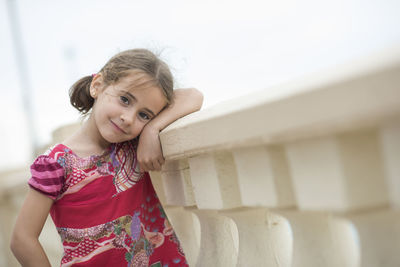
column 106, row 212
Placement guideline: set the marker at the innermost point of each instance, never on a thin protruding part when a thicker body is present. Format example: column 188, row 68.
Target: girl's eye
column 124, row 100
column 144, row 116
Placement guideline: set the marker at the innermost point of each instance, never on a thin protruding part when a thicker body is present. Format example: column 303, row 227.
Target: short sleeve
column 47, row 176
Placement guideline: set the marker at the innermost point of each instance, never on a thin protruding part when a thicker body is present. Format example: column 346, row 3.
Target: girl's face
column 121, row 110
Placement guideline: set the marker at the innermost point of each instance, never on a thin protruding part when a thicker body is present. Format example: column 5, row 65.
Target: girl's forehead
column 140, row 84
column 137, row 80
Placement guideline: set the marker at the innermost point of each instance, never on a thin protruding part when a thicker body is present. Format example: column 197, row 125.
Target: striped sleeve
column 47, row 176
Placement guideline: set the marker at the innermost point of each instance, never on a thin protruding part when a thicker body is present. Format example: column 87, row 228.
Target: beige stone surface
column 356, row 95
column 178, row 187
column 390, row 142
column 265, row 238
column 379, row 237
column 218, row 240
column 187, row 227
column 263, row 177
column 343, row 172
column 214, row 180
column 322, row 239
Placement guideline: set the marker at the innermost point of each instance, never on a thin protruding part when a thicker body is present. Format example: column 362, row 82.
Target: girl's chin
column 112, row 138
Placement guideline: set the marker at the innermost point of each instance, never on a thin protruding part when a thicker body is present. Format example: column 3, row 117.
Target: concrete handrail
column 309, row 179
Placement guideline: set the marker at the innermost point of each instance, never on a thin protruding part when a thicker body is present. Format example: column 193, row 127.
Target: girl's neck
column 87, row 140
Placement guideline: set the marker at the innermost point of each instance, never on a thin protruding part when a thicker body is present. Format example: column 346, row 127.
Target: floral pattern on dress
column 127, row 232
column 119, row 161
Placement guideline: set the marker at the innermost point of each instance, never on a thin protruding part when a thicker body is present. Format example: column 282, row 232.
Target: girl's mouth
column 117, row 127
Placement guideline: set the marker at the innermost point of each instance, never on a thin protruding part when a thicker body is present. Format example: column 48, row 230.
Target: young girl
column 95, row 184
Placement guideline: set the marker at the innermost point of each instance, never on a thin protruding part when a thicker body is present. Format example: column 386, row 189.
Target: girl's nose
column 127, row 118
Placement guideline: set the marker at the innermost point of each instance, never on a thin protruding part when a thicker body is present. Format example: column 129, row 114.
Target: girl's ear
column 96, row 85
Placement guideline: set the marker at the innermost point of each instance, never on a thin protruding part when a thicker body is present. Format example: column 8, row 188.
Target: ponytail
column 80, row 96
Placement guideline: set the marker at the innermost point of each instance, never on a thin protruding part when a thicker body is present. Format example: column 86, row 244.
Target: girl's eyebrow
column 134, row 98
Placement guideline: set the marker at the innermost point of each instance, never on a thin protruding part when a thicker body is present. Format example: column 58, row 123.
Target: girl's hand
column 149, row 152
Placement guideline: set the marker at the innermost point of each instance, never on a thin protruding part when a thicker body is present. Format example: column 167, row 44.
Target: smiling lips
column 117, row 128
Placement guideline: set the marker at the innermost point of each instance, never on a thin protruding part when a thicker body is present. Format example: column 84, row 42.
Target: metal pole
column 26, row 89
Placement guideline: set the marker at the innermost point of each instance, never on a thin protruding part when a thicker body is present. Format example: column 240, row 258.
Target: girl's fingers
column 143, row 167
column 156, row 166
column 151, row 165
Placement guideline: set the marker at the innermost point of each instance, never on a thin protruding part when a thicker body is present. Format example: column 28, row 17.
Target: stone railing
column 312, row 179
column 309, row 180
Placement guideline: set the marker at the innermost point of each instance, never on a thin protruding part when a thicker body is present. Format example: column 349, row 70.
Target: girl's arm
column 149, row 153
column 25, row 237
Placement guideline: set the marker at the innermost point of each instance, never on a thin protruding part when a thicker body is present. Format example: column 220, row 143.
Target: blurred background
column 224, row 48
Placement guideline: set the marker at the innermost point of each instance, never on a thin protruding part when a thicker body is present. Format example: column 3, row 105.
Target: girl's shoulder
column 54, row 158
column 48, row 173
column 56, row 148
column 56, row 151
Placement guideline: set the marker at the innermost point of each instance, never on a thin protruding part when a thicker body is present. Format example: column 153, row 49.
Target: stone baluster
column 187, row 227
column 215, row 187
column 218, row 241
column 223, row 186
column 265, row 238
column 338, row 173
column 264, row 180
column 215, row 182
column 174, row 189
column 343, row 174
column 379, row 236
column 263, row 177
column 322, row 239
column 379, row 228
column 390, row 140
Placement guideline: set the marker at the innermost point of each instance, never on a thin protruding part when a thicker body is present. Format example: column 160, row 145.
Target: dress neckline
column 106, row 152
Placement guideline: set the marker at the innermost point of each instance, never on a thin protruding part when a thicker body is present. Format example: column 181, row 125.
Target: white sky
column 224, row 48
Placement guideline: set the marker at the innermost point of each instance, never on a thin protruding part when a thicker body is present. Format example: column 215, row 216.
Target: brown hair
column 120, row 66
